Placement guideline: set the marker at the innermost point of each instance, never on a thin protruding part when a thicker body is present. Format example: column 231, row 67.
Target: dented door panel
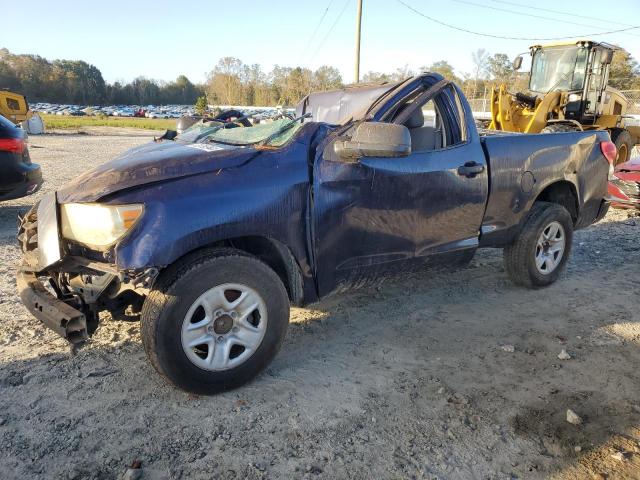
column 381, row 216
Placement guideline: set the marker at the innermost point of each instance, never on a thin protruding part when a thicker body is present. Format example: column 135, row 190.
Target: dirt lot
column 415, row 379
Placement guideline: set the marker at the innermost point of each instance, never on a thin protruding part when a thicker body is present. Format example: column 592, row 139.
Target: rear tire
column 624, row 144
column 538, row 255
column 214, row 320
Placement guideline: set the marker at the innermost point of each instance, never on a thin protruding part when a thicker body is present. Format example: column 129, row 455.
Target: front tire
column 539, row 254
column 214, row 320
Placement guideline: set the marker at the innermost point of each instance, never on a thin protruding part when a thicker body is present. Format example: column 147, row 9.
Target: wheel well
column 563, row 193
column 278, row 256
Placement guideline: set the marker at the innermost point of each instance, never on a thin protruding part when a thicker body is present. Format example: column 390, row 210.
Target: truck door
column 380, row 216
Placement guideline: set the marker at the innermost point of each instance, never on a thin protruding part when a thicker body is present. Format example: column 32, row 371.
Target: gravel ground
column 433, row 376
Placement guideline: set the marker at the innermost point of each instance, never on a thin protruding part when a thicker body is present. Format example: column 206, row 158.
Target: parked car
column 211, row 236
column 18, row 176
column 624, row 185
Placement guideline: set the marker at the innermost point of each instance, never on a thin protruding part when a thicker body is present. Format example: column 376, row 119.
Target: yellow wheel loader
column 14, row 106
column 568, row 90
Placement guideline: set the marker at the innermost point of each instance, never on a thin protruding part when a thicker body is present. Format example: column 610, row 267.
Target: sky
column 161, row 40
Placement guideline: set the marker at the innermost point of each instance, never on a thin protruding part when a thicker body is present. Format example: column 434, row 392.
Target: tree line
column 232, row 82
column 77, row 82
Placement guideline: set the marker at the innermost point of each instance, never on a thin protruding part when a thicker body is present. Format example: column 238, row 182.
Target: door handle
column 470, row 169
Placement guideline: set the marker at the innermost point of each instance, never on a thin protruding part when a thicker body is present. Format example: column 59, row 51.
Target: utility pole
column 358, row 24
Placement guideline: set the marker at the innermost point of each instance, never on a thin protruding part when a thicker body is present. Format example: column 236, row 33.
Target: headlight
column 95, row 225
column 574, row 97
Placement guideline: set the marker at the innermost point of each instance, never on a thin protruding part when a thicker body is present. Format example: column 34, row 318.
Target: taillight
column 12, row 145
column 610, row 152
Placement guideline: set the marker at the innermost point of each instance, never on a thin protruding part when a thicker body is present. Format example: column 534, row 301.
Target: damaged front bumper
column 67, row 292
column 62, row 318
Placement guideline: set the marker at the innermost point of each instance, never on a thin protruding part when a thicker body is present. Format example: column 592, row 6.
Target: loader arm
column 508, row 115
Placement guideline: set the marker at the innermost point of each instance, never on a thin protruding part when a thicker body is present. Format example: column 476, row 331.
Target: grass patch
column 63, row 122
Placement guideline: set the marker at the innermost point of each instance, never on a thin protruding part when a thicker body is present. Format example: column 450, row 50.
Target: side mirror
column 373, row 139
column 517, row 62
column 607, row 57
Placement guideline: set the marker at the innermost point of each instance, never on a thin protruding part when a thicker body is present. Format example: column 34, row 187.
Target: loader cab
column 579, row 71
column 14, row 106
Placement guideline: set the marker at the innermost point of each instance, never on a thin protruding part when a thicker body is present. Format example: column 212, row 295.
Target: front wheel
column 540, row 252
column 214, row 320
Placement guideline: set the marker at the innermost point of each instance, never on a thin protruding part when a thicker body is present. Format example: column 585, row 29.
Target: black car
column 18, row 176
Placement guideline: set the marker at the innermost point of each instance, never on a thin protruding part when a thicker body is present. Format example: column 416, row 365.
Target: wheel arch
column 564, row 193
column 272, row 252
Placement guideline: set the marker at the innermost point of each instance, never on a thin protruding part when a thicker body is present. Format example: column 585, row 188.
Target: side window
column 437, row 124
column 460, row 117
column 13, row 104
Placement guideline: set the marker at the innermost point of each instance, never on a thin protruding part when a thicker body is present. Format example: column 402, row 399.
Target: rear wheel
column 214, row 320
column 624, row 144
column 540, row 252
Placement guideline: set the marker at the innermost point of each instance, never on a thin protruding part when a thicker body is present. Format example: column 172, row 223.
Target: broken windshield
column 275, row 133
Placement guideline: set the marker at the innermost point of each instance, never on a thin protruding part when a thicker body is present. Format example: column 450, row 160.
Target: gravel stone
column 573, row 417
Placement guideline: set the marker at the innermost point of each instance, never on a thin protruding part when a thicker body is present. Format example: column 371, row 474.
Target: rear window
column 4, row 123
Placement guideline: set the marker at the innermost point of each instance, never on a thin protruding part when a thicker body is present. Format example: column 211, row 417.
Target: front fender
column 263, row 198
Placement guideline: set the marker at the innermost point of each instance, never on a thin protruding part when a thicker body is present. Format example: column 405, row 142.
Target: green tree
column 298, row 85
column 201, row 105
column 500, row 67
column 8, row 78
column 84, row 82
column 624, row 72
column 224, row 84
column 443, row 68
column 327, row 78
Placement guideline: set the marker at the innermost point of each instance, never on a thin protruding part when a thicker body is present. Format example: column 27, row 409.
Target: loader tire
column 624, row 144
column 559, row 128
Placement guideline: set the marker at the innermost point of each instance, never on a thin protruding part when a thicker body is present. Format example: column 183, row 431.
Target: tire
column 624, row 144
column 520, row 257
column 185, row 296
column 559, row 128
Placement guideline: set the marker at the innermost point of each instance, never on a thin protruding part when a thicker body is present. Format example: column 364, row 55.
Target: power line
column 572, row 14
column 504, row 37
column 531, row 15
column 315, row 31
column 344, row 7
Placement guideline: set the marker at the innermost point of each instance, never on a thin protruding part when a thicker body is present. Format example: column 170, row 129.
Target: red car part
column 624, row 185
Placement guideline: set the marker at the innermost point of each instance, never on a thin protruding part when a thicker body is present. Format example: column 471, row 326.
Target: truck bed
column 521, row 167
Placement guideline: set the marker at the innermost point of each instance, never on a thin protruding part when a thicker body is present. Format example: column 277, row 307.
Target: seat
column 423, row 138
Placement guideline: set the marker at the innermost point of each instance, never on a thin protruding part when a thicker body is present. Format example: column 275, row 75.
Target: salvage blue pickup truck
column 210, row 235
